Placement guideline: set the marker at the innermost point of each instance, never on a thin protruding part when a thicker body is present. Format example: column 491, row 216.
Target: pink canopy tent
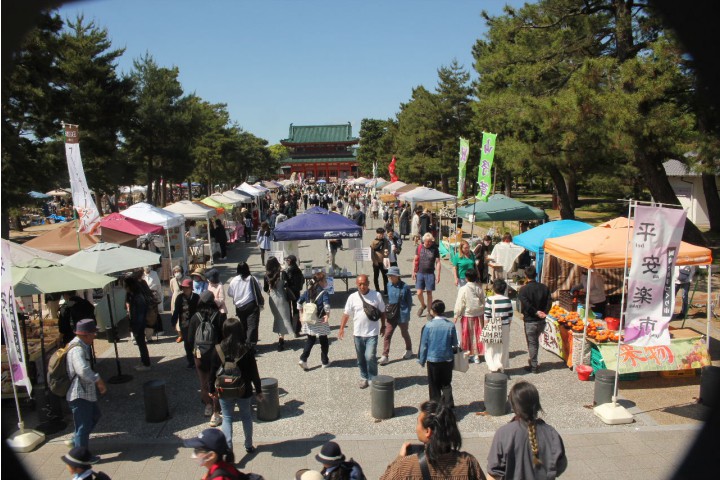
column 124, row 224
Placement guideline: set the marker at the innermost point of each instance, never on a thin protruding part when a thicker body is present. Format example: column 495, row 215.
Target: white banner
column 650, row 303
column 11, row 325
column 87, row 212
column 362, row 254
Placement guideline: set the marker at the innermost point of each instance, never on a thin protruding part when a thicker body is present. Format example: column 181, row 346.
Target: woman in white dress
column 415, row 226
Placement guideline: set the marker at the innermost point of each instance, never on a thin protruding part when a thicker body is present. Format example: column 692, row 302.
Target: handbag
column 371, row 311
column 492, row 333
column 392, row 312
column 460, row 361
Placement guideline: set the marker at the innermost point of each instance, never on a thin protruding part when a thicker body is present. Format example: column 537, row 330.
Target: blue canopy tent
column 534, row 240
column 316, row 224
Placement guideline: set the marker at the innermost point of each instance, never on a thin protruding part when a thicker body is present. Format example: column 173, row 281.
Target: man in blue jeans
column 365, row 330
column 86, row 384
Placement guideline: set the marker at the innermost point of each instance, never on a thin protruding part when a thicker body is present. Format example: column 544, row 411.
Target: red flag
column 391, row 169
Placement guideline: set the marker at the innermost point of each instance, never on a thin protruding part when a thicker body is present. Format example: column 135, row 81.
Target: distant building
column 321, row 151
column 687, row 184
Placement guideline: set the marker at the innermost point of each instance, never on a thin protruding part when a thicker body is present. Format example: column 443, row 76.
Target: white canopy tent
column 194, row 211
column 390, row 188
column 359, row 181
column 238, row 196
column 261, row 187
column 424, row 194
column 246, row 187
column 157, row 216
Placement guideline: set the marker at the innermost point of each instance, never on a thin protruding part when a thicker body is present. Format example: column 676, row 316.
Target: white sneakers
column 383, row 360
column 303, row 365
column 408, row 355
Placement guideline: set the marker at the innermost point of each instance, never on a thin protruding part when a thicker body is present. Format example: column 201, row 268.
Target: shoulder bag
column 373, row 313
column 492, row 333
column 289, row 294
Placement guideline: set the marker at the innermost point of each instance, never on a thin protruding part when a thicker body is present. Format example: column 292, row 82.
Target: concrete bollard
column 269, row 409
column 156, row 404
column 496, row 393
column 382, row 397
column 604, row 386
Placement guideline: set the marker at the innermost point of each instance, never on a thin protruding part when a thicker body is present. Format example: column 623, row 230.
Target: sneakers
column 383, row 360
column 408, row 355
column 69, row 443
column 216, row 420
column 325, row 365
column 142, row 368
column 303, row 365
column 208, row 410
column 363, row 383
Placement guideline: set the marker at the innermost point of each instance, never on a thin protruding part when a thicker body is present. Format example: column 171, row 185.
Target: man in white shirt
column 365, row 330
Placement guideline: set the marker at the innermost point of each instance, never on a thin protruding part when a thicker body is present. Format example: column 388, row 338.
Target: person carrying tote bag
column 496, row 331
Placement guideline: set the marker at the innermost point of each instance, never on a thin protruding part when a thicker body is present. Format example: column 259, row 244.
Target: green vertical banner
column 487, row 154
column 462, row 164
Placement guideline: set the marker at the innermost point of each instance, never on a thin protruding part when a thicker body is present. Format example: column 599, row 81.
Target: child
column 79, row 460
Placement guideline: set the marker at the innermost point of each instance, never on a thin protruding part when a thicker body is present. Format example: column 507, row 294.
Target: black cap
column 330, row 454
column 210, row 439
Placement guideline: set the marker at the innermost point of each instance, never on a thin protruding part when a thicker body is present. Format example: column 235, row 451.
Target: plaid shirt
column 83, row 377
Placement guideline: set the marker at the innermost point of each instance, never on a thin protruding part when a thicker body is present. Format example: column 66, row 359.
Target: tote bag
column 492, row 333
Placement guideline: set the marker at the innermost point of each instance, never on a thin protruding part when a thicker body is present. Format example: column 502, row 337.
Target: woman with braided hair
column 439, row 455
column 527, row 447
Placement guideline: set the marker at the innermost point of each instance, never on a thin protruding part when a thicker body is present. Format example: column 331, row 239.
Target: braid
column 532, row 434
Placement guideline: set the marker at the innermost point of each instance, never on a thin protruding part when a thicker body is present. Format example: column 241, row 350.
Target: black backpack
column 229, row 382
column 205, row 333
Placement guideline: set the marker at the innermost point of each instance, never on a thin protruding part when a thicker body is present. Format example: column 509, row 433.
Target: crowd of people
column 221, row 345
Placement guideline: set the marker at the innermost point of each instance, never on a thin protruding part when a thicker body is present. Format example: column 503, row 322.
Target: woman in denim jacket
column 437, row 343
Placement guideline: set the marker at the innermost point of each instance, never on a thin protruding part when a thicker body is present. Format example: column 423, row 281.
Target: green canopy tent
column 214, row 203
column 500, row 208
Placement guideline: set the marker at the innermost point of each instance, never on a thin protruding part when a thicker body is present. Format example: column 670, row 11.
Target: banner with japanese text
column 655, row 241
column 392, row 168
column 462, row 166
column 487, row 154
column 11, row 326
column 681, row 354
column 87, row 212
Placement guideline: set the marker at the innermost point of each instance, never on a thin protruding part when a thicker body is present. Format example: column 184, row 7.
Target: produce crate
column 689, row 372
column 565, row 300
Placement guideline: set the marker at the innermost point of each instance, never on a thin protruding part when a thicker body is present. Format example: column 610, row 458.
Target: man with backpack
column 85, row 384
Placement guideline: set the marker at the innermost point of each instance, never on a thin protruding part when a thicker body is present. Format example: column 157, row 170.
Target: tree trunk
column 149, row 172
column 572, row 189
column 566, row 210
column 712, row 200
column 623, row 29
column 657, row 182
column 508, row 184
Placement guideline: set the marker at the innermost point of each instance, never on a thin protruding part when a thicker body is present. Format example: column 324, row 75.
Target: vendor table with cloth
column 340, row 276
column 687, row 350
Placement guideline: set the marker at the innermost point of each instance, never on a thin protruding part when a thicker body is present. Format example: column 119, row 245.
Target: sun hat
column 80, row 457
column 330, row 454
column 86, row 326
column 200, row 272
column 393, row 271
column 187, row 283
column 306, row 474
column 210, row 439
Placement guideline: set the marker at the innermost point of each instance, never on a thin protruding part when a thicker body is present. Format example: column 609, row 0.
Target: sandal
column 421, row 310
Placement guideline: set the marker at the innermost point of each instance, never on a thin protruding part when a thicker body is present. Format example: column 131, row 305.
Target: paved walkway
column 324, row 404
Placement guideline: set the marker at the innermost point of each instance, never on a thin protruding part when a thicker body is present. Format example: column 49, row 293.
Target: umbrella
column 60, row 192
column 43, row 276
column 111, row 257
column 39, row 195
column 21, row 253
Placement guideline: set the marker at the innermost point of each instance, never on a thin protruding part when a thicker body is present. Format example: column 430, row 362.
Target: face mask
column 200, row 458
column 197, row 284
column 178, row 275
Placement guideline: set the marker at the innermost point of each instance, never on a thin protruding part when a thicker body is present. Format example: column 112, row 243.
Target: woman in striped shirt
column 321, row 329
column 497, row 355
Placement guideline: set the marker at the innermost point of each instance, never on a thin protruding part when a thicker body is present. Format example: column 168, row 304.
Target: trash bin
column 156, row 404
column 269, row 409
column 382, row 397
column 710, row 386
column 604, row 386
column 496, row 393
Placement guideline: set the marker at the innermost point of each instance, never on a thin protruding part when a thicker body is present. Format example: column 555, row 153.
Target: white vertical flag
column 87, row 213
column 655, row 239
column 11, row 325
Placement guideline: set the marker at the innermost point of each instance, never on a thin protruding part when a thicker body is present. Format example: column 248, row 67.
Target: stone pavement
column 330, row 406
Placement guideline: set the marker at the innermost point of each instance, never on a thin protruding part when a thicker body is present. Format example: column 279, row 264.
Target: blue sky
column 308, row 62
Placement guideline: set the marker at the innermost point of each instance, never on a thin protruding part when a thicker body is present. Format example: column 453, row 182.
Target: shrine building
column 321, row 151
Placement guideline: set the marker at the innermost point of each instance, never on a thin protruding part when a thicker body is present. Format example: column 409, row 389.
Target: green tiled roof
column 322, row 160
column 320, row 134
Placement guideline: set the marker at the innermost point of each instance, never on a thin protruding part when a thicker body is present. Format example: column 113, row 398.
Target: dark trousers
column 389, row 330
column 377, row 269
column 324, row 348
column 248, row 233
column 223, row 249
column 249, row 315
column 533, row 330
column 187, row 343
column 139, row 336
column 440, row 382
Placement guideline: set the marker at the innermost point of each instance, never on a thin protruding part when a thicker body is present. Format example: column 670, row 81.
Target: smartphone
column 414, row 449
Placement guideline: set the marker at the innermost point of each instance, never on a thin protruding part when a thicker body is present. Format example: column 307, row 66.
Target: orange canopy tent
column 604, row 247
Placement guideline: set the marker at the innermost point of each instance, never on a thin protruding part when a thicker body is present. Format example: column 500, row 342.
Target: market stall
column 174, row 226
column 392, row 187
column 116, row 228
column 603, row 249
column 194, row 211
column 64, row 240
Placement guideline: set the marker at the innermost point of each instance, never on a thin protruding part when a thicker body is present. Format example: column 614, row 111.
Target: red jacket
column 232, row 473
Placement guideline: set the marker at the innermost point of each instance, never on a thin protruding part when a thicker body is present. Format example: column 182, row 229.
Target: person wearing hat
column 79, row 463
column 210, row 449
column 307, row 474
column 334, row 465
column 397, row 312
column 82, row 396
column 200, row 283
column 185, row 307
column 207, row 311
